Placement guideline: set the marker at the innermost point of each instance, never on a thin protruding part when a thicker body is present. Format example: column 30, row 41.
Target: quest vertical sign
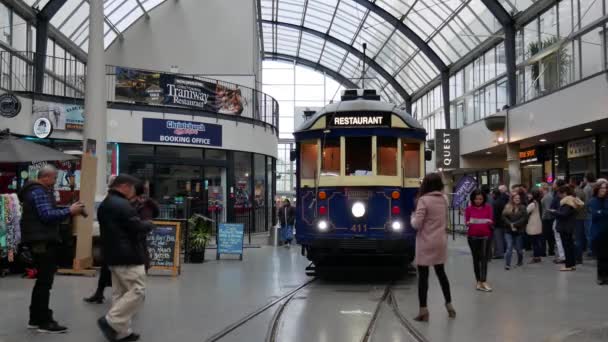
column 447, row 148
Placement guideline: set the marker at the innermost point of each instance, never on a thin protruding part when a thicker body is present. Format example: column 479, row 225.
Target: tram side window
column 411, row 160
column 387, row 156
column 308, row 159
column 359, row 156
column 330, row 160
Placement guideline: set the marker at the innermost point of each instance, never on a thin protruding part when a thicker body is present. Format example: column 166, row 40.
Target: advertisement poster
column 181, row 132
column 155, row 88
column 62, row 116
column 462, row 190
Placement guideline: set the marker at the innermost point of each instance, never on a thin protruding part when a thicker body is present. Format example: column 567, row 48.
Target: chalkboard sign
column 230, row 239
column 163, row 246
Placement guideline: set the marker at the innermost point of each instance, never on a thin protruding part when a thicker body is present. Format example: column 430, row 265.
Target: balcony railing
column 66, row 77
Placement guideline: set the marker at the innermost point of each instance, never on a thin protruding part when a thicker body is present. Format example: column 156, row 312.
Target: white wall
column 200, row 36
column 125, row 126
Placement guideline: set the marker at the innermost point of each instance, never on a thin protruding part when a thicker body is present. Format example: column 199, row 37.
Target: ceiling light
column 543, row 140
column 560, row 147
column 588, row 129
column 488, row 152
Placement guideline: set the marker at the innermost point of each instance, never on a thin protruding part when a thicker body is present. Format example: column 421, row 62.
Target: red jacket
column 479, row 229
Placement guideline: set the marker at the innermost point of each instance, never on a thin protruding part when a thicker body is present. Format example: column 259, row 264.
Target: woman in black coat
column 566, row 223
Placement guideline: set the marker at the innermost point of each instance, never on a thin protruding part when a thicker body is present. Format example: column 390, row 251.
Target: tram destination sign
column 358, row 120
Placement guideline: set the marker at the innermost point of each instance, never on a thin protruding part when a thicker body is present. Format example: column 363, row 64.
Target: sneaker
column 479, row 287
column 52, row 328
column 486, row 287
column 130, row 338
column 507, row 268
column 568, row 269
column 94, row 299
column 33, row 325
column 559, row 261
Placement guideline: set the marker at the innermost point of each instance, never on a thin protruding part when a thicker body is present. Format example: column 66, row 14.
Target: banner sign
column 358, row 120
column 154, row 88
column 528, row 156
column 63, row 116
column 163, row 246
column 581, row 148
column 462, row 190
column 447, row 148
column 230, row 239
column 181, row 132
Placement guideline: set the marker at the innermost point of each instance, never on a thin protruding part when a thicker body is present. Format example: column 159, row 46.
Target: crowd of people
column 563, row 221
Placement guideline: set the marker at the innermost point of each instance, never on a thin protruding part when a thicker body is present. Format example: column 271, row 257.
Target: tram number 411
column 359, row 228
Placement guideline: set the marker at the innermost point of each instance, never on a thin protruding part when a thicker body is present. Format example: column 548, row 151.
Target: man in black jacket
column 40, row 232
column 121, row 235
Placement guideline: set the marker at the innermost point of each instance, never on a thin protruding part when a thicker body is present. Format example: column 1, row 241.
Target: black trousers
column 549, row 237
column 45, row 261
column 105, row 280
column 423, row 284
column 600, row 248
column 568, row 244
column 479, row 251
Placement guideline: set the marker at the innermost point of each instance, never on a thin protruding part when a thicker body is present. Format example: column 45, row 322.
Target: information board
column 163, row 246
column 230, row 239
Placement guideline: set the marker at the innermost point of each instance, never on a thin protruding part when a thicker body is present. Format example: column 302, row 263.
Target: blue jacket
column 599, row 216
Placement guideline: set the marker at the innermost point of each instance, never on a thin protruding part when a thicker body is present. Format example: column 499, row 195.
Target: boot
column 423, row 315
column 95, row 299
column 451, row 311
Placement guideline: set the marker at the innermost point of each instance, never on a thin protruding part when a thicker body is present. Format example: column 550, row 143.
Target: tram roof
column 363, row 106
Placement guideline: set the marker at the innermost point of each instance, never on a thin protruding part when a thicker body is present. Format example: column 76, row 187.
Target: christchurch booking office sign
column 181, row 132
column 447, row 148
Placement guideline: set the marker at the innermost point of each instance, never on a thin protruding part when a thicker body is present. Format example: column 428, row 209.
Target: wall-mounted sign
column 63, row 116
column 528, row 156
column 447, row 148
column 155, row 88
column 10, row 105
column 43, row 128
column 581, row 148
column 181, row 132
column 358, row 120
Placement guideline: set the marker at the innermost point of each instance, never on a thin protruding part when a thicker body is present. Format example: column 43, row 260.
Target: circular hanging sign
column 43, row 128
column 10, row 105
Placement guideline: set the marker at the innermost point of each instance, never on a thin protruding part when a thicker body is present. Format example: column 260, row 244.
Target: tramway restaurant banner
column 181, row 132
column 154, row 88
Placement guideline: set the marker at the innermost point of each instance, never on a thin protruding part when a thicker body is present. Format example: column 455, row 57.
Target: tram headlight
column 322, row 225
column 396, row 225
column 358, row 209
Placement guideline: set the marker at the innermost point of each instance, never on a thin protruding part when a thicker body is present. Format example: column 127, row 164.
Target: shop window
column 358, row 156
column 179, row 152
column 330, row 160
column 560, row 161
column 603, row 156
column 411, row 160
column 308, row 159
column 387, row 156
column 215, row 154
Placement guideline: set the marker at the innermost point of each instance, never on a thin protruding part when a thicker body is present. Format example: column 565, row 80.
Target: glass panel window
column 490, row 64
column 19, row 32
column 330, row 160
column 468, row 81
column 179, row 152
column 459, row 83
column 501, row 59
column 215, row 154
column 491, row 106
column 519, row 46
column 566, row 17
column 5, row 24
column 531, row 46
column 387, row 156
column 591, row 48
column 358, row 156
column 591, row 10
column 568, row 63
column 548, row 27
column 501, row 95
column 411, row 160
column 550, row 69
column 460, row 115
column 308, row 159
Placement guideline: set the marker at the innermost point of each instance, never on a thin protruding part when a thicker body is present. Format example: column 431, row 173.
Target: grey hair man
column 40, row 232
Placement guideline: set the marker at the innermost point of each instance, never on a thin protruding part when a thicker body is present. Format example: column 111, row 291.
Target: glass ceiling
column 452, row 28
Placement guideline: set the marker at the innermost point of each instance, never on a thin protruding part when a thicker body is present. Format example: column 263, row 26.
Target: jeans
column 45, row 260
column 558, row 243
column 499, row 242
column 580, row 240
column 128, row 291
column 537, row 245
column 286, row 233
column 568, row 243
column 423, row 284
column 514, row 241
column 588, row 235
column 479, row 251
column 549, row 238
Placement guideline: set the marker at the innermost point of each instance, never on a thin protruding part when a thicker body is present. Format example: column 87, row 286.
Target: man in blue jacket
column 40, row 232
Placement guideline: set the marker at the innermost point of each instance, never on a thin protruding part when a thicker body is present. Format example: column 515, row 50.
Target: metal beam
column 51, row 8
column 371, row 62
column 445, row 92
column 499, row 12
column 260, row 30
column 143, row 9
column 406, row 31
column 313, row 65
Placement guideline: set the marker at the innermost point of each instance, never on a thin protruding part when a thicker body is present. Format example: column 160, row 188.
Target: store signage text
column 447, row 148
column 528, row 156
column 358, row 120
column 581, row 148
column 181, row 132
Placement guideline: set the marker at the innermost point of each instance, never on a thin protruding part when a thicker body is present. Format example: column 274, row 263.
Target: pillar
column 96, row 117
column 511, row 67
column 445, row 92
column 514, row 166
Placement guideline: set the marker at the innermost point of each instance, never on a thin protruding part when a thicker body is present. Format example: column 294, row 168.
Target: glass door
column 177, row 187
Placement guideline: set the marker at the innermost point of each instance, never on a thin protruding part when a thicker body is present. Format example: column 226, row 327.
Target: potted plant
column 199, row 235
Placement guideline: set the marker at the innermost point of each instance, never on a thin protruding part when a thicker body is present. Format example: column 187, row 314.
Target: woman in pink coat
column 430, row 220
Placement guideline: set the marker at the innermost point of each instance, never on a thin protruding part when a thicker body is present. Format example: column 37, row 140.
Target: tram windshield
column 330, row 159
column 411, row 160
column 358, row 156
column 387, row 156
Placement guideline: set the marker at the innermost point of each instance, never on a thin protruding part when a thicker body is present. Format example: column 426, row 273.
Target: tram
column 359, row 165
